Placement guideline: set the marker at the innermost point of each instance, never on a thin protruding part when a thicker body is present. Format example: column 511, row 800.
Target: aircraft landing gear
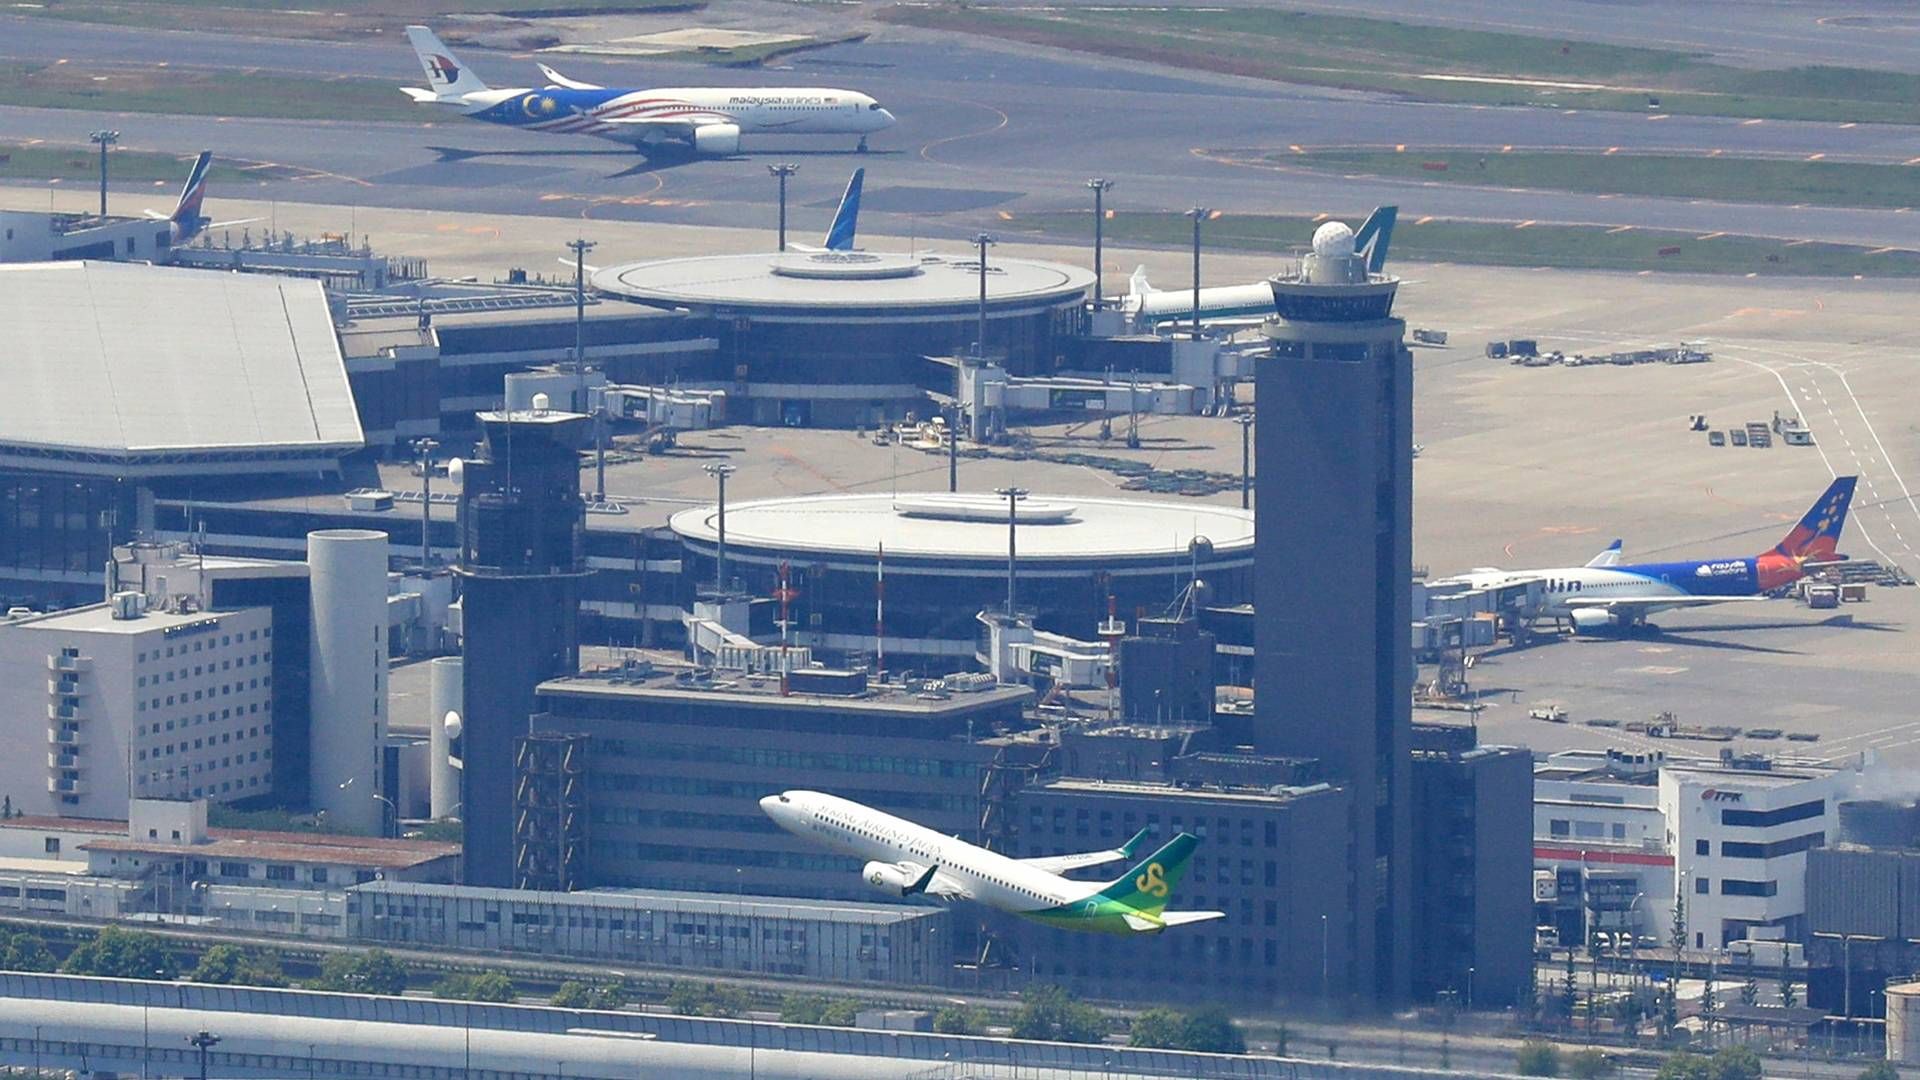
column 862, row 148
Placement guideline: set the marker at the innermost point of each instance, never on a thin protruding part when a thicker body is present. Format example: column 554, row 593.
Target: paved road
column 985, row 130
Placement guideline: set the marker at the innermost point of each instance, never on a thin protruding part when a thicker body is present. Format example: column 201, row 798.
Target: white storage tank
column 445, row 700
column 1903, row 1023
column 348, row 574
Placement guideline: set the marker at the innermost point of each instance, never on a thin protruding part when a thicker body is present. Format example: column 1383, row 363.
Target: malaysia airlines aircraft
column 906, row 859
column 1606, row 592
column 707, row 120
column 186, row 221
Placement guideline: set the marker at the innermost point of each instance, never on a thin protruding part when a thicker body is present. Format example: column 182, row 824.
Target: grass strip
column 1570, row 247
column 1694, row 176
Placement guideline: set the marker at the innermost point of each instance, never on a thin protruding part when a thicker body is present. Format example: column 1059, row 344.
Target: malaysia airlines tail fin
column 846, row 219
column 447, row 77
column 1374, row 235
column 1816, row 539
column 186, row 212
column 1609, row 557
column 1146, row 887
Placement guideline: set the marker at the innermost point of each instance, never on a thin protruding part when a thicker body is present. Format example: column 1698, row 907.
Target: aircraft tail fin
column 1147, row 886
column 1375, row 234
column 446, row 75
column 186, row 212
column 846, row 219
column 1816, row 538
column 1609, row 557
column 1137, row 285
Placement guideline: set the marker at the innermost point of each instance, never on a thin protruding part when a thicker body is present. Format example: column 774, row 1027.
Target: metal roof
column 132, row 365
column 765, row 907
column 973, row 528
column 902, row 284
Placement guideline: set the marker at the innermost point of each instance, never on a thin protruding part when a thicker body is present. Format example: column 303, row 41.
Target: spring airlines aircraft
column 905, row 859
column 1606, row 592
column 707, row 120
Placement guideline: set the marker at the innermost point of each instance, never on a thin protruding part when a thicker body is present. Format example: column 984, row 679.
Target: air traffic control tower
column 1333, row 670
column 521, row 523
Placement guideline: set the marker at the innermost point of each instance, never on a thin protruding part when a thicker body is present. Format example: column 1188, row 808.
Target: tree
column 1536, row 1058
column 1684, row 1066
column 1788, row 996
column 706, row 999
column 1211, row 1031
column 800, row 1008
column 574, row 994
column 1879, row 1070
column 1157, row 1029
column 1735, row 1063
column 24, row 951
column 488, row 986
column 232, row 965
column 1569, row 990
column 371, row 972
column 840, row 1012
column 1588, row 1065
column 1052, row 1014
column 1709, row 1005
column 959, row 1020
column 122, row 954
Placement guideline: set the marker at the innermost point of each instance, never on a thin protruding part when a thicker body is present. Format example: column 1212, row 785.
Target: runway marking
column 1523, row 224
column 1660, row 116
column 1612, row 150
column 1848, row 124
column 1815, row 157
column 926, row 151
column 1295, row 147
column 1912, row 161
column 1711, row 236
column 1655, row 669
column 1750, row 123
column 1424, row 220
column 1882, row 251
column 1398, row 148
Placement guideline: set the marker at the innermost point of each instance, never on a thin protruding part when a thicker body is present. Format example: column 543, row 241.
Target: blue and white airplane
column 187, row 221
column 706, row 120
column 1606, row 592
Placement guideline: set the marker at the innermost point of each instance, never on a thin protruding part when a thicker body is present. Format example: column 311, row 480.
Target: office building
column 677, row 761
column 116, row 701
column 1272, row 856
column 1333, row 671
column 1473, row 867
column 1629, row 835
column 521, row 519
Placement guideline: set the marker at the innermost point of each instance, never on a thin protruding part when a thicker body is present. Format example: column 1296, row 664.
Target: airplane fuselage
column 621, row 114
column 1567, row 589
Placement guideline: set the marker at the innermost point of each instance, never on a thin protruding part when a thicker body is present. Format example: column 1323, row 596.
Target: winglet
column 846, row 219
column 920, row 884
column 560, row 80
column 1131, row 849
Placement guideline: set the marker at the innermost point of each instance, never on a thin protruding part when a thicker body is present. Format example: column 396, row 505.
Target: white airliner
column 906, row 859
column 706, row 120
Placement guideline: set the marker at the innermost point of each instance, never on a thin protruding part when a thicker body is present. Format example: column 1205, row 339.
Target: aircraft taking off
column 1252, row 303
column 186, row 219
column 707, row 120
column 906, row 859
column 1606, row 592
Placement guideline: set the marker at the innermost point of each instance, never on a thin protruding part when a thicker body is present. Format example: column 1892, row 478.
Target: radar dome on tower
column 1332, row 240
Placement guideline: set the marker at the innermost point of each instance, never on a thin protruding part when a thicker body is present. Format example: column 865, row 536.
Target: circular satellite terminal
column 845, row 266
column 1332, row 240
column 452, row 723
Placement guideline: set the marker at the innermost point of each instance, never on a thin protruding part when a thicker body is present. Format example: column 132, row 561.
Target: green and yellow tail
column 1147, row 887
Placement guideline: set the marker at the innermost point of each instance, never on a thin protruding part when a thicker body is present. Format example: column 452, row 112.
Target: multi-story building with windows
column 114, row 701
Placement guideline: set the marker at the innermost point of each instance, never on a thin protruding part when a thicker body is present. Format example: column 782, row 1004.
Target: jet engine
column 1591, row 618
column 717, row 139
column 894, row 878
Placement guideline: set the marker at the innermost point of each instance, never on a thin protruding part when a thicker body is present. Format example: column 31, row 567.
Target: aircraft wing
column 558, row 79
column 1060, row 864
column 1152, row 924
column 947, row 887
column 1656, row 603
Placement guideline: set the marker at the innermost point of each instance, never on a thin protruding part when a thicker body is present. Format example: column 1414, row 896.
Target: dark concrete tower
column 1333, row 669
column 521, row 520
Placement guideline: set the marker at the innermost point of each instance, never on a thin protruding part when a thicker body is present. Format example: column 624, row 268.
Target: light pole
column 105, row 139
column 1326, row 996
column 781, row 172
column 1013, row 495
column 1469, row 987
column 580, row 247
column 426, row 447
column 720, row 471
column 953, row 448
column 203, row 1042
column 387, row 806
column 1198, row 214
column 1100, row 186
column 984, row 241
column 1246, row 460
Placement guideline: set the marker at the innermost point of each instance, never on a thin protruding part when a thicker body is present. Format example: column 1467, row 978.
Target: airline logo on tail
column 1816, row 539
column 441, row 67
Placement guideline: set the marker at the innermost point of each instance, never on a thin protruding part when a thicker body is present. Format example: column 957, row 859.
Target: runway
column 987, row 132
